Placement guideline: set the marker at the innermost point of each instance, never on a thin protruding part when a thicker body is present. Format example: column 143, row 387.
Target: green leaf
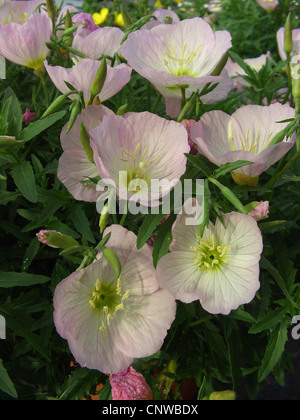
column 30, row 253
column 39, row 126
column 6, row 384
column 234, row 352
column 163, row 240
column 274, row 350
column 79, row 384
column 81, row 223
column 269, row 321
column 24, row 179
column 229, row 167
column 11, row 279
column 151, row 221
column 15, row 116
column 267, row 265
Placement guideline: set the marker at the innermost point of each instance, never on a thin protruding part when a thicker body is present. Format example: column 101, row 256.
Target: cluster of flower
column 109, row 316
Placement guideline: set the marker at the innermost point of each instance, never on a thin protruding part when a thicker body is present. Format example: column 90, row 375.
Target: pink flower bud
column 130, row 385
column 261, row 211
column 28, row 116
column 42, row 238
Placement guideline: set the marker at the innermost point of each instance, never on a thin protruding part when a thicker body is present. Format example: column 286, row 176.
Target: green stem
column 124, row 215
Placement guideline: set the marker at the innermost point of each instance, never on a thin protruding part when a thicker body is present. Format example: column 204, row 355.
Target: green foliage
column 216, row 351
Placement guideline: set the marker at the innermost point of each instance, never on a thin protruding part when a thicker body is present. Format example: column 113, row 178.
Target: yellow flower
column 101, row 17
column 158, row 4
column 119, row 19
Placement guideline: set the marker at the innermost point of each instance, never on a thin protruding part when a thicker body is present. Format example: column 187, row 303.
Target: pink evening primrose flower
column 182, row 54
column 17, row 11
column 280, row 42
column 103, row 41
column 245, row 135
column 25, row 44
column 129, row 385
column 220, row 269
column 268, row 4
column 109, row 321
column 74, row 167
column 82, row 74
column 140, row 154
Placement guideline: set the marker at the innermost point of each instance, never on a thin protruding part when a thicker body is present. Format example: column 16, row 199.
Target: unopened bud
column 85, row 140
column 126, row 18
column 51, row 9
column 220, row 66
column 76, row 109
column 258, row 210
column 288, row 35
column 56, row 105
column 56, row 239
column 113, row 260
column 122, row 109
column 168, row 19
column 104, row 218
column 98, row 80
column 222, row 396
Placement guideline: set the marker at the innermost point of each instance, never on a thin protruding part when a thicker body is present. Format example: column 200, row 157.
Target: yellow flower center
column 16, row 15
column 107, row 299
column 248, row 144
column 138, row 164
column 180, row 64
column 209, row 254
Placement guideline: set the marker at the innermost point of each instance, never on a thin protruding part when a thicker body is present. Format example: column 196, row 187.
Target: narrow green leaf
column 24, row 179
column 39, row 126
column 6, row 384
column 269, row 321
column 11, row 279
column 229, row 167
column 163, row 240
column 81, row 223
column 274, row 350
column 151, row 221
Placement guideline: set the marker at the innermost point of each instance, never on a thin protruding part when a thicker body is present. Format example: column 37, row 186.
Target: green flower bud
column 51, row 9
column 113, row 260
column 126, row 18
column 288, row 35
column 99, row 80
column 59, row 240
column 85, row 140
column 220, row 66
column 222, row 396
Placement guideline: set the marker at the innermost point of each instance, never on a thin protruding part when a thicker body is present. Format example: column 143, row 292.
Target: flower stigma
column 209, row 254
column 107, row 299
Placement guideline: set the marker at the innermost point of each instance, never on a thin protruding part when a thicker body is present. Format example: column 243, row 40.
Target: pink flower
column 28, row 116
column 173, row 56
column 260, row 211
column 77, row 17
column 188, row 124
column 280, row 42
column 42, row 238
column 220, row 269
column 74, row 167
column 25, row 44
column 17, row 11
column 106, row 319
column 245, row 135
column 82, row 74
column 103, row 41
column 130, row 385
column 141, row 154
column 268, row 4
